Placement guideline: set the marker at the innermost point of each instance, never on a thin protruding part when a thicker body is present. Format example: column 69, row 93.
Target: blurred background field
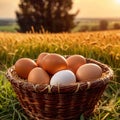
column 103, row 46
column 8, row 25
column 81, row 24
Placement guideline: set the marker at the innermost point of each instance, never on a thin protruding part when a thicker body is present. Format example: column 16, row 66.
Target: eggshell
column 23, row 66
column 89, row 72
column 38, row 76
column 63, row 77
column 75, row 61
column 40, row 58
column 53, row 63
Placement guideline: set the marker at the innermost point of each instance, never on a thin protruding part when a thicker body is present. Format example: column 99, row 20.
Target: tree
column 116, row 26
column 103, row 25
column 52, row 15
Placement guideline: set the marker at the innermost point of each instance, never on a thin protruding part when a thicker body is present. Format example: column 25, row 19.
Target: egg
column 38, row 76
column 23, row 66
column 63, row 77
column 89, row 72
column 53, row 63
column 75, row 61
column 40, row 57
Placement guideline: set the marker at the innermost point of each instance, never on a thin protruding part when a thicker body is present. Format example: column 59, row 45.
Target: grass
column 8, row 101
column 102, row 46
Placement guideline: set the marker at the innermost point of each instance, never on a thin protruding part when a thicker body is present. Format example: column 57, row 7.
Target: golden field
column 102, row 46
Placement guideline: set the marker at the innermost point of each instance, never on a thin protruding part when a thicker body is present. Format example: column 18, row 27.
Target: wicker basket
column 45, row 102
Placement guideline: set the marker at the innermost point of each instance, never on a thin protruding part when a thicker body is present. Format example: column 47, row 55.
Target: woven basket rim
column 72, row 88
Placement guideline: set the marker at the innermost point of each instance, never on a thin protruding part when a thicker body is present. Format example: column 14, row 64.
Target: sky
column 88, row 8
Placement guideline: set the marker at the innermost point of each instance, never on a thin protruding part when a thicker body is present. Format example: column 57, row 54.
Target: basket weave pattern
column 45, row 102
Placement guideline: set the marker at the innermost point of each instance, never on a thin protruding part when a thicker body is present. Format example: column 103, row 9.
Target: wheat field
column 103, row 46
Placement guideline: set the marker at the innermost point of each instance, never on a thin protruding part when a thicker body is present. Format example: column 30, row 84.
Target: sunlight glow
column 88, row 8
column 118, row 1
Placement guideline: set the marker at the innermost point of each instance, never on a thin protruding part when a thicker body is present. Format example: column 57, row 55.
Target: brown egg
column 23, row 66
column 38, row 76
column 75, row 61
column 53, row 63
column 40, row 57
column 89, row 72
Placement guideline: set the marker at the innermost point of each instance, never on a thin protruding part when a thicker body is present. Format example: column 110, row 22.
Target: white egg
column 63, row 77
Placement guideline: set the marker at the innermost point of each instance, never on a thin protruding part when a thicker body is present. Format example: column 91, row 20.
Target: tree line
column 102, row 25
column 51, row 15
